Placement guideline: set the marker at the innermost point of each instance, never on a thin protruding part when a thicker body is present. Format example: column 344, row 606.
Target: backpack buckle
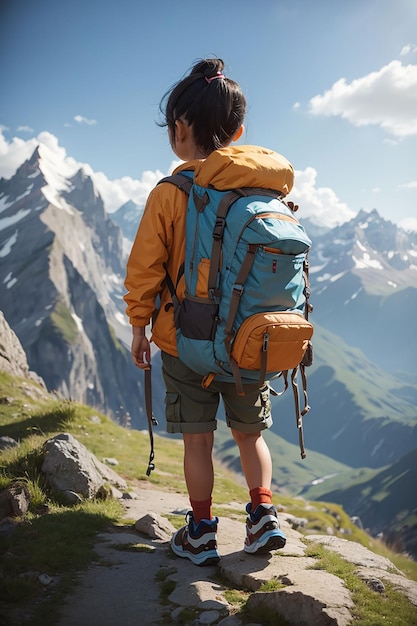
column 237, row 289
column 219, row 228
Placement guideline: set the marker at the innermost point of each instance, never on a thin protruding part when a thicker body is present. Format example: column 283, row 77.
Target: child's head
column 212, row 104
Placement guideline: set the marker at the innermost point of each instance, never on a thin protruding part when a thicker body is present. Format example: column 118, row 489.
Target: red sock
column 201, row 509
column 260, row 495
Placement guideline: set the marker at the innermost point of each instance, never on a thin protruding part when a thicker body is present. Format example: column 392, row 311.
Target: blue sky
column 331, row 84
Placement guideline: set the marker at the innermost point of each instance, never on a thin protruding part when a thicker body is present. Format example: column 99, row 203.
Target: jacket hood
column 243, row 166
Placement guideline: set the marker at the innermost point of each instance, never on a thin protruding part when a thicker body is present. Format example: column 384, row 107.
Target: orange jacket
column 161, row 235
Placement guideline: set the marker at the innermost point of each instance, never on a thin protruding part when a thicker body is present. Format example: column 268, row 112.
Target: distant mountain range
column 61, row 277
column 62, row 266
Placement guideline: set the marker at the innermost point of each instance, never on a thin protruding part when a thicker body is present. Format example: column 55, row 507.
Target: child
column 204, row 114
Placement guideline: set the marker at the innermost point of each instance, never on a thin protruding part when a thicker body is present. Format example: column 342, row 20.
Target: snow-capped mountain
column 364, row 283
column 362, row 385
column 61, row 277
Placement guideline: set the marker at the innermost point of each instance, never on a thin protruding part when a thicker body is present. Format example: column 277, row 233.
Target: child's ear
column 238, row 133
column 181, row 128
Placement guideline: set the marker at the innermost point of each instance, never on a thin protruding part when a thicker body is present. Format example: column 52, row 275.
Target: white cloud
column 13, row 153
column 387, row 97
column 84, row 120
column 411, row 185
column 117, row 192
column 24, row 129
column 321, row 204
column 114, row 192
column 410, row 48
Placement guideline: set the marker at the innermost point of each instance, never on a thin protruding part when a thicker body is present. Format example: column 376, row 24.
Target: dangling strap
column 307, row 292
column 150, row 416
column 300, row 414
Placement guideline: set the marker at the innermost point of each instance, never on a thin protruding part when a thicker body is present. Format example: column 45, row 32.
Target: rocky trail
column 126, row 585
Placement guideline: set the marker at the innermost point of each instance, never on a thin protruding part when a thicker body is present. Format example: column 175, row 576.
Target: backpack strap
column 150, row 416
column 218, row 231
column 222, row 211
column 182, row 181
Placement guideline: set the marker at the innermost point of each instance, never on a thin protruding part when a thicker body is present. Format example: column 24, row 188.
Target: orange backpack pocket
column 283, row 336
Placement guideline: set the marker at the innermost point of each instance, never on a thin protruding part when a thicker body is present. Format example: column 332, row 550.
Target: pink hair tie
column 218, row 75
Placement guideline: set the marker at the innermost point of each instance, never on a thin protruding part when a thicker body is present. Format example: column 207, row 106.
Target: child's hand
column 141, row 349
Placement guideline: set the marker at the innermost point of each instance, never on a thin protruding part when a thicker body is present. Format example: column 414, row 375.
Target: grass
column 389, row 607
column 58, row 540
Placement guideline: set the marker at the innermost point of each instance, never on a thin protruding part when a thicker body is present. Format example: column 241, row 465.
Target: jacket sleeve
column 145, row 272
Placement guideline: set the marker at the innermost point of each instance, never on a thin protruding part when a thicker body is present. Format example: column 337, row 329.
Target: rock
column 129, row 495
column 8, row 442
column 230, row 620
column 45, row 580
column 14, row 500
column 354, row 552
column 71, row 497
column 109, row 474
column 68, row 466
column 209, row 617
column 12, row 356
column 399, row 581
column 322, row 600
column 155, row 526
column 203, row 594
column 71, row 469
column 110, row 461
column 376, row 585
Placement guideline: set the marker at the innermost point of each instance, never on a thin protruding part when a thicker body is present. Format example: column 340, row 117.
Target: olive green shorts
column 190, row 408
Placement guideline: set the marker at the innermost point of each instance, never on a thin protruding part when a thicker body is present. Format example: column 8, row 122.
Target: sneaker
column 197, row 542
column 263, row 532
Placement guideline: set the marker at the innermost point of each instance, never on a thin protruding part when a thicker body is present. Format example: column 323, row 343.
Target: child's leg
column 191, row 410
column 199, row 473
column 256, row 464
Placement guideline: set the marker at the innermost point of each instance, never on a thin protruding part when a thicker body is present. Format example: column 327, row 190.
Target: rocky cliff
column 61, row 271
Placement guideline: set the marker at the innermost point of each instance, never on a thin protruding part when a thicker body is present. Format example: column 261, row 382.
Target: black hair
column 215, row 108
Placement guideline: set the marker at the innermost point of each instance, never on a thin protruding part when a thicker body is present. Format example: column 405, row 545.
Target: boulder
column 71, row 469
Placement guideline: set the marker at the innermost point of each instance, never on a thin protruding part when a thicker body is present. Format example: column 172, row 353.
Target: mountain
column 361, row 415
column 62, row 265
column 364, row 289
column 382, row 499
column 127, row 217
column 61, row 276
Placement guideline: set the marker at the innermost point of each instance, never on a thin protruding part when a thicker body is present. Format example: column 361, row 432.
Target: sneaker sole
column 210, row 557
column 271, row 541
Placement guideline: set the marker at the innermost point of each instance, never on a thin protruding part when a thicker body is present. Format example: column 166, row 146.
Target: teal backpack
column 244, row 317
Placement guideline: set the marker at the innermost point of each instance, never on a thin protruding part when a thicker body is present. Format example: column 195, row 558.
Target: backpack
column 244, row 316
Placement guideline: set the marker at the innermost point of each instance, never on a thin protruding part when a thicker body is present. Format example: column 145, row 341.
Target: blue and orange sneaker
column 263, row 532
column 197, row 542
